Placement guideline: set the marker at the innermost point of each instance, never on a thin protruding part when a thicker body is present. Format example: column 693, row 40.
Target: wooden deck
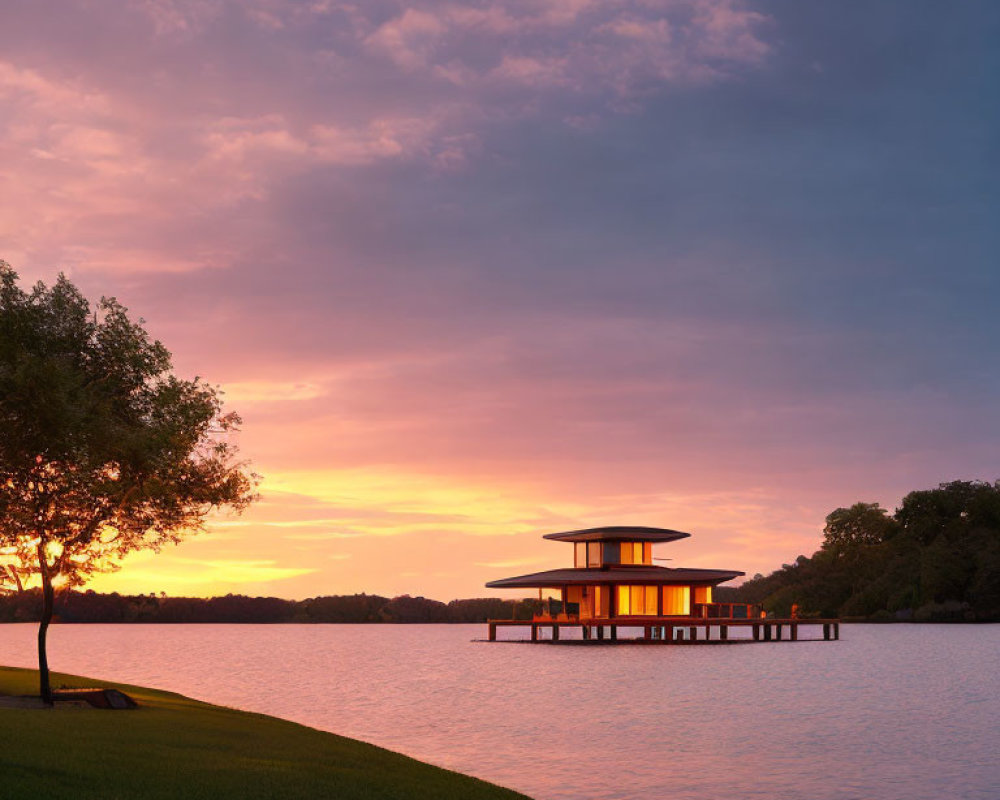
column 672, row 630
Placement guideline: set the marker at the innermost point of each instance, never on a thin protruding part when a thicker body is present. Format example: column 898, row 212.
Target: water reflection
column 888, row 712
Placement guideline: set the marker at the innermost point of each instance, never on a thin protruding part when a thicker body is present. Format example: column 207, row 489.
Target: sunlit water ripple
column 907, row 712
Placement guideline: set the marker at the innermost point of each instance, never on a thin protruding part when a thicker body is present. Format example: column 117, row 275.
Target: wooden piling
column 694, row 633
column 555, row 633
column 767, row 632
column 493, row 632
column 724, row 633
column 794, row 631
column 534, row 632
column 614, row 633
column 777, row 632
column 756, row 632
column 826, row 631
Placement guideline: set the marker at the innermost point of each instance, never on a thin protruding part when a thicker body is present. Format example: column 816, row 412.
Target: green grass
column 175, row 747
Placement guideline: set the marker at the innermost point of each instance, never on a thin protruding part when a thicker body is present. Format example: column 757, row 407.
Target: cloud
column 622, row 47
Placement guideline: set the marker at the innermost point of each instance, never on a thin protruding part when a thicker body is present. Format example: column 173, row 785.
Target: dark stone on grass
column 98, row 698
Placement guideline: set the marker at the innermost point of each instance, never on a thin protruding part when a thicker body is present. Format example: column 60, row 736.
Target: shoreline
column 176, row 746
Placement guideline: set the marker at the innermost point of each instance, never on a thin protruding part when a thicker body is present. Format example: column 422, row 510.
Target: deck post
column 723, row 633
column 585, row 632
column 614, row 633
column 600, row 632
column 493, row 632
column 647, row 633
column 795, row 631
column 694, row 633
column 767, row 632
column 555, row 633
column 826, row 631
column 777, row 632
column 756, row 632
column 836, row 631
column 534, row 632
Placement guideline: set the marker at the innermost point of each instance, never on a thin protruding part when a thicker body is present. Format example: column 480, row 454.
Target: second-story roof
column 648, row 575
column 618, row 533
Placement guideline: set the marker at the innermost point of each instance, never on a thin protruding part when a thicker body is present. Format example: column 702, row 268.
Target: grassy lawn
column 175, row 747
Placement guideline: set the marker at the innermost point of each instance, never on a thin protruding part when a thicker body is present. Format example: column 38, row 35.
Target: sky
column 475, row 272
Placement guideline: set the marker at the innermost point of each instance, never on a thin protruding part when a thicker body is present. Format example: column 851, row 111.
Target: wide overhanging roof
column 618, row 533
column 631, row 575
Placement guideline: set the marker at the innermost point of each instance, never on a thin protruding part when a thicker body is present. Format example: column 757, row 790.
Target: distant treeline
column 89, row 606
column 935, row 559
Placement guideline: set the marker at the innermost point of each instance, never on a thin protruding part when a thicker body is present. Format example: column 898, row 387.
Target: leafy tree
column 936, row 558
column 861, row 525
column 16, row 566
column 104, row 451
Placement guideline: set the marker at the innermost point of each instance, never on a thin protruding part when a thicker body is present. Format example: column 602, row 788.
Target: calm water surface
column 908, row 712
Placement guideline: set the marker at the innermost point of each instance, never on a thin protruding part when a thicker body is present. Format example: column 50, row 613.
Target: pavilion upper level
column 614, row 546
column 616, row 555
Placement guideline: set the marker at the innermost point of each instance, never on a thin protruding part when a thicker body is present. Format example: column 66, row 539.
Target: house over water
column 613, row 575
column 613, row 582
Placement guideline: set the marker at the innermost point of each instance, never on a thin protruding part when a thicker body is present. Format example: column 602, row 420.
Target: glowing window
column 638, row 601
column 601, row 601
column 580, row 554
column 647, row 552
column 623, row 600
column 676, row 600
column 703, row 594
column 651, row 597
column 593, row 554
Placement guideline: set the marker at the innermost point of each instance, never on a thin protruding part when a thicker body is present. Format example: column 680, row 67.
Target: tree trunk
column 48, row 601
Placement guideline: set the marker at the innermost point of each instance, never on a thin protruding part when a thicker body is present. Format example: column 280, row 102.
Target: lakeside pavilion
column 613, row 582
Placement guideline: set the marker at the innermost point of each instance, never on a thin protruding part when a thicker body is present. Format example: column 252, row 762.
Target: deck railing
column 556, row 610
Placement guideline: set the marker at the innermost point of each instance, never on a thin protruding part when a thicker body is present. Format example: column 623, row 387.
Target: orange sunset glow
column 472, row 273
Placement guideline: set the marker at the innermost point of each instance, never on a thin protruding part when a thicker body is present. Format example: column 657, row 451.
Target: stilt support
column 794, row 632
column 826, row 631
column 614, row 633
column 555, row 633
column 534, row 633
column 724, row 633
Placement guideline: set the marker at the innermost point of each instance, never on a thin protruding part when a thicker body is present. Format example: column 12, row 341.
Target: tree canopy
column 937, row 557
column 850, row 529
column 104, row 451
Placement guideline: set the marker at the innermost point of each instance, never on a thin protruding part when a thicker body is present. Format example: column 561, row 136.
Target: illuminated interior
column 593, row 600
column 637, row 600
column 597, row 554
column 703, row 594
column 676, row 601
column 628, row 553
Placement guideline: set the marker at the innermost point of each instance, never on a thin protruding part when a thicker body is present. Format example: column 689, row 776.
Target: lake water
column 908, row 712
